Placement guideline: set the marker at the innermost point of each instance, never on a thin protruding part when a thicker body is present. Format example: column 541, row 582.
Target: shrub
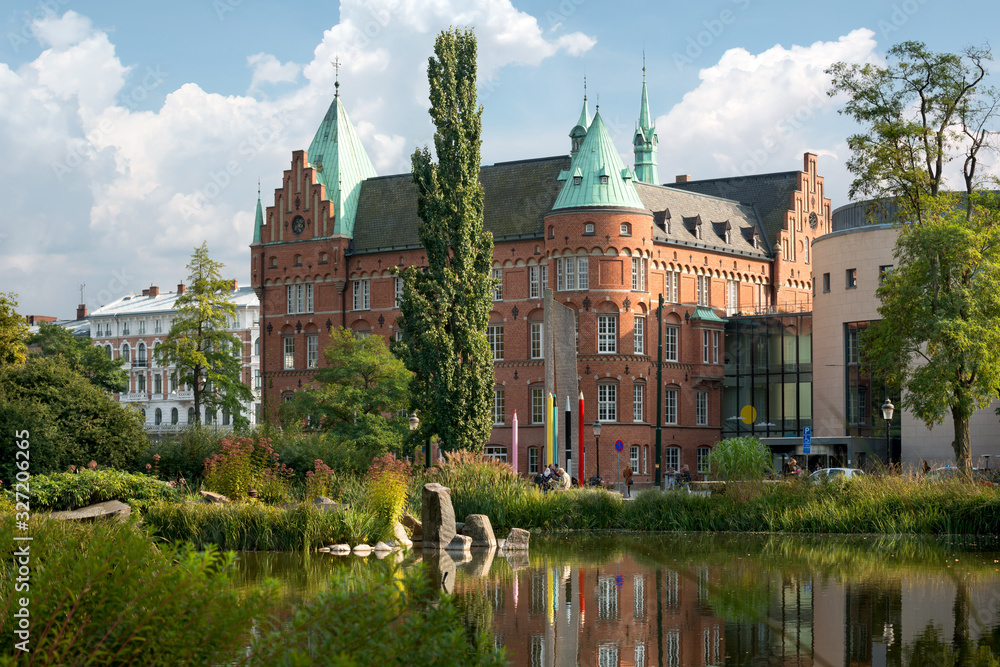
column 319, row 482
column 247, row 463
column 69, row 491
column 103, row 593
column 388, row 481
column 182, row 455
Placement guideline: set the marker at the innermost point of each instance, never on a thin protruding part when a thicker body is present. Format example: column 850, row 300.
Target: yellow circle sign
column 748, row 414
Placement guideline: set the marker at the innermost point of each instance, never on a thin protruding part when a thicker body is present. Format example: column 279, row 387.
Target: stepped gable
column 517, row 195
column 770, row 193
column 714, row 211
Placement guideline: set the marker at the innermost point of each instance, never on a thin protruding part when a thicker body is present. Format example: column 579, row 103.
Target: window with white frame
column 157, row 326
column 704, row 290
column 633, row 458
column 141, row 382
column 607, row 402
column 732, row 297
column 625, row 229
column 157, row 383
column 639, row 335
column 703, row 453
column 125, row 329
column 701, row 408
column 672, row 648
column 607, row 604
column 537, row 405
column 716, row 335
column 607, row 334
column 537, row 349
column 638, row 401
column 670, row 334
column 671, row 286
column 399, row 291
column 533, row 460
column 498, row 287
column 706, row 347
column 639, row 659
column 299, row 298
column 362, row 295
column 639, row 265
column 494, row 335
column 126, row 352
column 498, row 405
column 572, row 273
column 607, row 654
column 312, row 351
column 670, row 406
column 142, row 327
column 538, row 280
column 256, row 378
column 498, row 452
column 289, row 348
column 672, row 458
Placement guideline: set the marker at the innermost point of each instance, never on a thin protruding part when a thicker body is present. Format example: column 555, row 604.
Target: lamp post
column 414, row 425
column 597, row 438
column 887, row 410
column 987, row 457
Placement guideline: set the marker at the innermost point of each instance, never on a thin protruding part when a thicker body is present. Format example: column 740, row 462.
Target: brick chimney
column 682, row 178
column 145, row 292
column 154, row 290
column 81, row 311
column 180, row 288
column 236, row 285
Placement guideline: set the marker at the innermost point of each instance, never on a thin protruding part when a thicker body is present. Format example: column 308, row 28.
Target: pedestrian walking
column 627, row 474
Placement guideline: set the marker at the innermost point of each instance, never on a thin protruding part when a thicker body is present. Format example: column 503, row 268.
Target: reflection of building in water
column 785, row 635
column 617, row 615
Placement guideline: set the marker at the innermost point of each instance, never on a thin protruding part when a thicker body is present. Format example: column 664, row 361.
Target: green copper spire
column 596, row 176
column 579, row 130
column 259, row 222
column 645, row 140
column 341, row 163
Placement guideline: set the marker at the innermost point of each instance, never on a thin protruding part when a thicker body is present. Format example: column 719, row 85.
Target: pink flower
column 92, row 465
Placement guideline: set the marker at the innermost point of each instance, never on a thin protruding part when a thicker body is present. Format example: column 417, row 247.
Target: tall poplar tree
column 446, row 305
column 926, row 114
column 199, row 346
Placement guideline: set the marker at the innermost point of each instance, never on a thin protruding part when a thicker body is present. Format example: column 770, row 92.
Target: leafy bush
column 103, row 593
column 69, row 491
column 388, row 480
column 414, row 623
column 247, row 463
column 319, row 482
column 182, row 455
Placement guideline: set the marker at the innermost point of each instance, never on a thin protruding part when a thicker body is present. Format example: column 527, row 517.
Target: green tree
column 205, row 355
column 740, row 459
column 363, row 392
column 70, row 420
column 89, row 360
column 13, row 332
column 446, row 305
column 937, row 338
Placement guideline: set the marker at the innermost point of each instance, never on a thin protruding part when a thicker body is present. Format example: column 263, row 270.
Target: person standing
column 670, row 478
column 627, row 474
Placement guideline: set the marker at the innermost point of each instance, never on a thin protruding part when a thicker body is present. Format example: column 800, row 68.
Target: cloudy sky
column 131, row 132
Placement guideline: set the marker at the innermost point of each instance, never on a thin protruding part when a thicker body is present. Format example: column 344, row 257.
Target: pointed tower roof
column 645, row 140
column 584, row 121
column 579, row 130
column 341, row 164
column 644, row 121
column 597, row 176
column 258, row 224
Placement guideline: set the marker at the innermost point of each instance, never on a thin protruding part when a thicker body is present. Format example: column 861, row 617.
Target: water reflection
column 643, row 600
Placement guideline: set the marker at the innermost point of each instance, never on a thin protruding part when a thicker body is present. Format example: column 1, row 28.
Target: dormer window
column 729, row 237
column 588, row 229
column 577, row 180
column 604, row 179
column 756, row 241
column 697, row 230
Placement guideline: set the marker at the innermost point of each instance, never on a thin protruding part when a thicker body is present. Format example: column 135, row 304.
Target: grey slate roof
column 770, row 193
column 517, row 194
column 684, row 207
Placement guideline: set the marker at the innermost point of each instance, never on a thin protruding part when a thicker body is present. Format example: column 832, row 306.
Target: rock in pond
column 111, row 509
column 437, row 516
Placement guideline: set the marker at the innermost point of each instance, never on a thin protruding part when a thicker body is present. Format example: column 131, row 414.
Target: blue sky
column 134, row 131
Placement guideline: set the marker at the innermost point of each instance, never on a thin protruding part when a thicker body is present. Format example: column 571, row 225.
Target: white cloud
column 268, row 69
column 758, row 113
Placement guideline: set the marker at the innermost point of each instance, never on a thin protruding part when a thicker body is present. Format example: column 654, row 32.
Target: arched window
column 158, row 417
column 190, row 415
column 143, row 412
column 173, row 415
column 110, row 352
column 140, row 353
column 256, row 347
column 126, row 354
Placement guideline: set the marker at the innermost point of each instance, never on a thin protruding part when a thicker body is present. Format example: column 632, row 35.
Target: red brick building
column 582, row 225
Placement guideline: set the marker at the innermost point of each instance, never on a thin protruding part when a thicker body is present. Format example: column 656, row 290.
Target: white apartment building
column 132, row 327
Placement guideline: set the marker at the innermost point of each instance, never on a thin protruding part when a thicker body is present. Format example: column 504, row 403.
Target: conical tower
column 645, row 140
column 341, row 164
column 579, row 131
column 258, row 223
column 596, row 175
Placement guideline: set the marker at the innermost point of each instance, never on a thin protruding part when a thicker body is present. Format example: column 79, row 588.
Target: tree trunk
column 963, row 441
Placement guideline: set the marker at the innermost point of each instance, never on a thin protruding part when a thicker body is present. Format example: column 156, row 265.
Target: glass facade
column 768, row 381
column 863, row 394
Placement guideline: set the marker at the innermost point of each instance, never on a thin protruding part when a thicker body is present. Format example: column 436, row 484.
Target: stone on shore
column 460, row 543
column 324, row 504
column 437, row 516
column 400, row 534
column 479, row 528
column 111, row 509
column 213, row 498
column 362, row 550
column 340, row 549
column 517, row 540
column 414, row 526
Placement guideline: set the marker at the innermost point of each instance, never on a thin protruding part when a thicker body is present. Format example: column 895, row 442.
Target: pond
column 724, row 599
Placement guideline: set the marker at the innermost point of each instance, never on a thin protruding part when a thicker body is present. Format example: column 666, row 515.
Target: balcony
column 139, row 363
column 134, row 397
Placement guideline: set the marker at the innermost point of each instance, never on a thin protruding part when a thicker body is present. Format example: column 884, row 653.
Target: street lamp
column 414, row 425
column 987, row 457
column 887, row 409
column 597, row 438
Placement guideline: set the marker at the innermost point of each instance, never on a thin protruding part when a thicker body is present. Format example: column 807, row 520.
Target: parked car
column 952, row 472
column 830, row 474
